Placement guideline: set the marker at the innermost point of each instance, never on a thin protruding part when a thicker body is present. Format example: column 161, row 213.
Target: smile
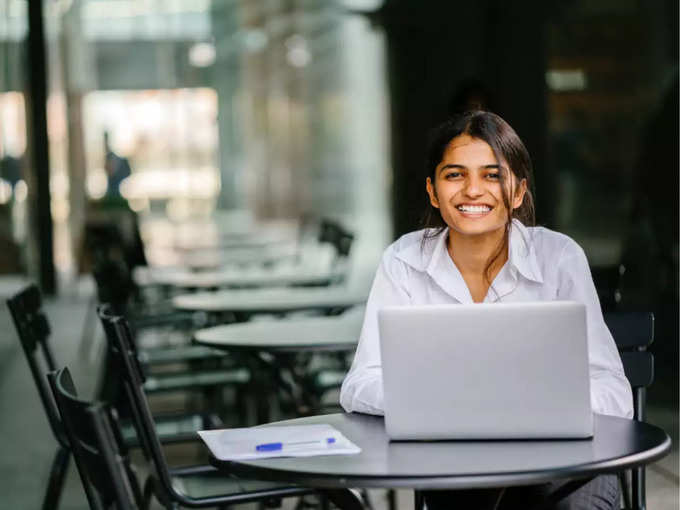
column 473, row 209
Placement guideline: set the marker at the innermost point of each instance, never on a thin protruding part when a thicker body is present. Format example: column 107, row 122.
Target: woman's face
column 467, row 188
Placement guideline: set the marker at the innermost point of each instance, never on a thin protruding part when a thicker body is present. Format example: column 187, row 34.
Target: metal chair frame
column 98, row 448
column 633, row 333
column 34, row 330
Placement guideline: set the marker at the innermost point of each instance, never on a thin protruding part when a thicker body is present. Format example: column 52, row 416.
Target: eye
column 452, row 175
column 494, row 176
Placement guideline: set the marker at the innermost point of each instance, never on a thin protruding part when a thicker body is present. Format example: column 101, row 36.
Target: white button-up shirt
column 542, row 265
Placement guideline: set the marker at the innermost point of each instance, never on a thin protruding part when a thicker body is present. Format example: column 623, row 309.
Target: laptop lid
column 486, row 371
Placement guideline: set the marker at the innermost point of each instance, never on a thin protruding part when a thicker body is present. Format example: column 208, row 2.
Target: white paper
column 296, row 440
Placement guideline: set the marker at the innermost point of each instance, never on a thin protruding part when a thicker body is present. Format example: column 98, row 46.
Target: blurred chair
column 116, row 288
column 112, row 256
column 325, row 379
column 100, row 454
column 33, row 329
column 337, row 236
column 634, row 333
column 197, row 486
column 195, row 379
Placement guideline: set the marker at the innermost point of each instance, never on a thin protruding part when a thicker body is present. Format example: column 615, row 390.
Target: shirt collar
column 431, row 255
column 522, row 252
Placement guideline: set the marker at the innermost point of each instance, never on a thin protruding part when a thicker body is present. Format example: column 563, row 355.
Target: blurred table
column 258, row 238
column 333, row 333
column 274, row 300
column 255, row 276
column 279, row 354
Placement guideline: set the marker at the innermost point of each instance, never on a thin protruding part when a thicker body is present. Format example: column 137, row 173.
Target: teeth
column 474, row 208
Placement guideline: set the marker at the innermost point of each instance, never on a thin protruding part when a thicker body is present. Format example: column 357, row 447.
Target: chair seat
column 174, row 429
column 214, row 483
column 162, row 317
column 179, row 354
column 191, row 380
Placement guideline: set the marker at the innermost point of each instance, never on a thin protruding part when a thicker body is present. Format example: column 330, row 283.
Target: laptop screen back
column 486, row 371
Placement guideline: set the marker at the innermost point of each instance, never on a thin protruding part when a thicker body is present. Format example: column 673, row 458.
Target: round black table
column 287, row 341
column 618, row 444
column 331, row 333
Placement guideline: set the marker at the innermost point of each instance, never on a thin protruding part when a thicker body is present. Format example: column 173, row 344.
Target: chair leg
column 625, row 490
column 638, row 487
column 418, row 500
column 148, row 494
column 365, row 499
column 391, row 499
column 57, row 476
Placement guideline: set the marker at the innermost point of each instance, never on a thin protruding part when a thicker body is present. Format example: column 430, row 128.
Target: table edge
column 469, row 481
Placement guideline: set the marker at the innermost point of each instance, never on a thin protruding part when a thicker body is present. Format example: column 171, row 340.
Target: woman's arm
column 362, row 389
column 609, row 388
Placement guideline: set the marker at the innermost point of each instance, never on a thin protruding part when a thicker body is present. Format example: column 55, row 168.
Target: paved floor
column 28, row 446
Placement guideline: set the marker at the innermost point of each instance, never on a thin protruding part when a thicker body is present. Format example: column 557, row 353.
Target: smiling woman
column 479, row 178
column 480, row 245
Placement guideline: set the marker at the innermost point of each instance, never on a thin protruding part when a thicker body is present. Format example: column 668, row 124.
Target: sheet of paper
column 277, row 441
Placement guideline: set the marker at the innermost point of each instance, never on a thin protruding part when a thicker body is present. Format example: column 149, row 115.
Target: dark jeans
column 601, row 493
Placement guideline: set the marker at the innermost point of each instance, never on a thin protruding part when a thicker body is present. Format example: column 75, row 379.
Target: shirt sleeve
column 362, row 389
column 610, row 391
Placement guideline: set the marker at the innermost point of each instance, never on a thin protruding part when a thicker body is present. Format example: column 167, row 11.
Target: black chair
column 633, row 333
column 100, row 454
column 207, row 381
column 116, row 288
column 331, row 367
column 34, row 330
column 197, row 486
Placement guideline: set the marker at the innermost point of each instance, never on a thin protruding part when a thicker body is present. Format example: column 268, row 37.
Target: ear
column 432, row 193
column 520, row 191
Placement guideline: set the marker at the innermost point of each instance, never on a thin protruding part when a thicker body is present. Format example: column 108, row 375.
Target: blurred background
column 175, row 119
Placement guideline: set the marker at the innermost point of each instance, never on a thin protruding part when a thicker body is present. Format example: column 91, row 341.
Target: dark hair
column 506, row 146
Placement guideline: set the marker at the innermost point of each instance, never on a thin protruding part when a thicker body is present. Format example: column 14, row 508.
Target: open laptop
column 486, row 371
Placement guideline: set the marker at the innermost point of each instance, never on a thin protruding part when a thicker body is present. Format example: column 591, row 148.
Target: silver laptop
column 486, row 371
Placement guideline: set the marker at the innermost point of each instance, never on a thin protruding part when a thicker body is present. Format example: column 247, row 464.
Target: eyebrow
column 463, row 167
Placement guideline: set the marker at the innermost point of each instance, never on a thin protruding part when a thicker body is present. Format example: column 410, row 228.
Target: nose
column 473, row 187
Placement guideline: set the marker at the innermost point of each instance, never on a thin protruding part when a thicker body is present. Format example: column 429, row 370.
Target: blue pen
column 272, row 447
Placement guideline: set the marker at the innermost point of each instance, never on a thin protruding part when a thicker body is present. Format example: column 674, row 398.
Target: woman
column 480, row 245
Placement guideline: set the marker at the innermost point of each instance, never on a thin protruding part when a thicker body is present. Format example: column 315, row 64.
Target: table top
column 272, row 300
column 251, row 277
column 235, row 243
column 257, row 237
column 335, row 333
column 618, row 444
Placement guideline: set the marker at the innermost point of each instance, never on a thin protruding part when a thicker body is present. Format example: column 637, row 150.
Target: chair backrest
column 97, row 447
column 109, row 388
column 633, row 333
column 124, row 356
column 33, row 329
